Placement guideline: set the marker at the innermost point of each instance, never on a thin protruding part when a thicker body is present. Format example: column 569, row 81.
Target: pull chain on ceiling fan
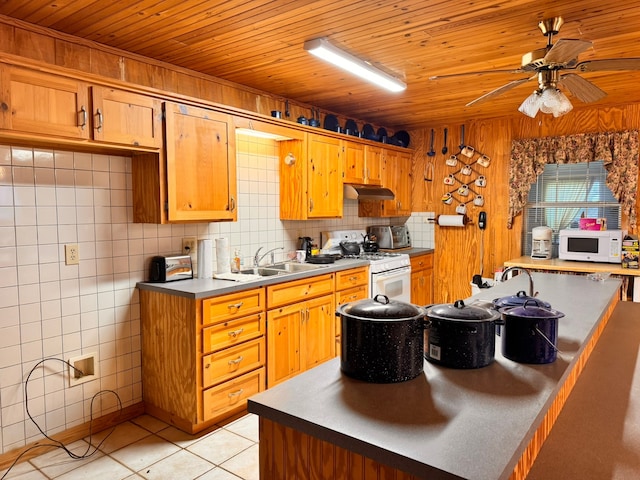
column 547, row 64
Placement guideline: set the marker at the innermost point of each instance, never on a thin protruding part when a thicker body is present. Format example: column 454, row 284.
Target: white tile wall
column 48, row 309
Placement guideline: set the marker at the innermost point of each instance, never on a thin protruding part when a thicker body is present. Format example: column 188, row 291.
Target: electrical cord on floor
column 57, row 443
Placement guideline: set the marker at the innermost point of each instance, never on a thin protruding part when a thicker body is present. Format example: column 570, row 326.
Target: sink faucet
column 522, row 269
column 257, row 258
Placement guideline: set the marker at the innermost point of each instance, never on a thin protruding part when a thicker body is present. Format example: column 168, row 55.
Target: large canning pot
column 519, row 299
column 382, row 340
column 461, row 336
column 530, row 333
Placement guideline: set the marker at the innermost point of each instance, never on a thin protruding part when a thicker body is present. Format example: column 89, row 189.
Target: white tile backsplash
column 50, row 198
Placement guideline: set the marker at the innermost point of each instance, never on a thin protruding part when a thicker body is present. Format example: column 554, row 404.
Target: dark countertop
column 210, row 287
column 597, row 434
column 446, row 423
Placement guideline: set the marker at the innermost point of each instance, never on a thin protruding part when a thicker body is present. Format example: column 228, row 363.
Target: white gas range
column 389, row 272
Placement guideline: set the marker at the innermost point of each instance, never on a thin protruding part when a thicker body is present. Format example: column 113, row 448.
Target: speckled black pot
column 382, row 340
column 461, row 336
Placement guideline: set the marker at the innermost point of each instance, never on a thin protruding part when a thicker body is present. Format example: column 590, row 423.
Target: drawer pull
column 235, row 333
column 354, row 278
column 236, row 393
column 236, row 361
column 235, row 306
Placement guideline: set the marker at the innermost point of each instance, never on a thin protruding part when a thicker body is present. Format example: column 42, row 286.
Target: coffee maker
column 541, row 242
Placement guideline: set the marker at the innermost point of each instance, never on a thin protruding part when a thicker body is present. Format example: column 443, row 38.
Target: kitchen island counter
column 486, row 423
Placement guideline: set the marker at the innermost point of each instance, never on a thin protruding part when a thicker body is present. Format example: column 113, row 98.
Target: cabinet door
column 126, row 118
column 403, row 183
column 318, row 332
column 44, row 104
column 325, row 195
column 373, row 162
column 283, row 343
column 354, row 163
column 201, row 164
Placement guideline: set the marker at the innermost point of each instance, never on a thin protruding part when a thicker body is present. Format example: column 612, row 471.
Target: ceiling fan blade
column 565, row 50
column 481, row 72
column 499, row 91
column 581, row 88
column 609, row 64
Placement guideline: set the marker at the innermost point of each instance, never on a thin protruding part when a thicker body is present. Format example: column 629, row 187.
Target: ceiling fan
column 549, row 65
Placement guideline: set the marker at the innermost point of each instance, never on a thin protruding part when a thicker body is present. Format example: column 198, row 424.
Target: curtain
column 618, row 150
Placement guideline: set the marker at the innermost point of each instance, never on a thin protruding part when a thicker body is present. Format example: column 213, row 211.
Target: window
column 563, row 194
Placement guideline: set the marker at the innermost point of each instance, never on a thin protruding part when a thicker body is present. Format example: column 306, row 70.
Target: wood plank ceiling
column 258, row 43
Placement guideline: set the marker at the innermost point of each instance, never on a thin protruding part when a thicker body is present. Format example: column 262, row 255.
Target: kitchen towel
column 205, row 258
column 223, row 255
column 452, row 220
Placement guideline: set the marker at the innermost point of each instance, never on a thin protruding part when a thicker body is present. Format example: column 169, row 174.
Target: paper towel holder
column 451, row 220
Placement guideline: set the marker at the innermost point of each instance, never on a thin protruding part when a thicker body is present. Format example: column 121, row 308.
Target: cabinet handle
column 236, row 361
column 100, row 120
column 236, row 393
column 235, row 333
column 367, row 175
column 232, row 203
column 235, row 305
column 82, row 115
column 311, row 204
column 354, row 278
column 301, row 316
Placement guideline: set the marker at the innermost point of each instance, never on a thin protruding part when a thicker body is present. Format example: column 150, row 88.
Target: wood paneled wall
column 457, row 253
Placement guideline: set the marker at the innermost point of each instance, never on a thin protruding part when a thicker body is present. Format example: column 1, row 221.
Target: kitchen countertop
column 210, row 287
column 555, row 264
column 448, row 423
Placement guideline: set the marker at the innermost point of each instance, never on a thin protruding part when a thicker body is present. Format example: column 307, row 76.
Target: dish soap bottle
column 235, row 264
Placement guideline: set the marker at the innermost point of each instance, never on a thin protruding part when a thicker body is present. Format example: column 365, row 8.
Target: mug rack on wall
column 466, row 182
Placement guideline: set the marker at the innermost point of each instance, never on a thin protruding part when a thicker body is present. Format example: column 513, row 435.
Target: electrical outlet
column 189, row 246
column 71, row 254
column 84, row 369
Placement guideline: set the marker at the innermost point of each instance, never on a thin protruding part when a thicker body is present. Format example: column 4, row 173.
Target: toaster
column 170, row 268
column 390, row 237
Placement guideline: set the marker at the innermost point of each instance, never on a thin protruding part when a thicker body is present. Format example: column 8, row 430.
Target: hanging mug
column 468, row 151
column 461, row 209
column 484, row 161
column 449, row 180
column 481, row 181
column 452, row 161
column 447, row 199
column 466, row 170
column 463, row 190
column 478, row 201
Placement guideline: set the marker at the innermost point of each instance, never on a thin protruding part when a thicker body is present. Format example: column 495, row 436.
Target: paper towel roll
column 205, row 259
column 452, row 220
column 223, row 255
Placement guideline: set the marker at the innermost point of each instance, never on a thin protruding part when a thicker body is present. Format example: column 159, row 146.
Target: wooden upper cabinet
column 201, row 164
column 354, row 169
column 373, row 163
column 325, row 193
column 44, row 104
column 396, row 175
column 126, row 118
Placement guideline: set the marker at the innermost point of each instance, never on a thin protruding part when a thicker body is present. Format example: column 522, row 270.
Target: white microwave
column 590, row 245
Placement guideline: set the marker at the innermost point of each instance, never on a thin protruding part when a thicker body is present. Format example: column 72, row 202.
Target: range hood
column 367, row 192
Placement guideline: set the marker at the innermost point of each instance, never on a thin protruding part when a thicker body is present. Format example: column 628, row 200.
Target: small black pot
column 382, row 340
column 461, row 336
column 349, row 248
column 530, row 333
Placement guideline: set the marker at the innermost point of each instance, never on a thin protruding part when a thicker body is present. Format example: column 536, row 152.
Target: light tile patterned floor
column 149, row 448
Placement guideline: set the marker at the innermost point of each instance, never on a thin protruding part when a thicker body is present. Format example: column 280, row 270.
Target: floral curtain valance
column 618, row 150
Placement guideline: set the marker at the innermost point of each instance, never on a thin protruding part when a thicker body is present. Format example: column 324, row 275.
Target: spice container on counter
column 235, row 262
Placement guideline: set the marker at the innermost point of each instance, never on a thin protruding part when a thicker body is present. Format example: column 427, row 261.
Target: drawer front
column 299, row 290
column 352, row 295
column 234, row 305
column 232, row 394
column 233, row 332
column 352, row 278
column 231, row 362
column 421, row 262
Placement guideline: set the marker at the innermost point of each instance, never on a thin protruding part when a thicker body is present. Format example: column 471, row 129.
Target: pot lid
column 461, row 312
column 519, row 299
column 381, row 308
column 531, row 310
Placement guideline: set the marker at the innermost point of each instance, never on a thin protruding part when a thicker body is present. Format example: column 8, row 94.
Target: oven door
column 395, row 284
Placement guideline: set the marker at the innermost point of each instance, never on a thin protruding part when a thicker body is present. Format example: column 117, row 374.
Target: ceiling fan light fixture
column 531, row 104
column 321, row 48
column 555, row 102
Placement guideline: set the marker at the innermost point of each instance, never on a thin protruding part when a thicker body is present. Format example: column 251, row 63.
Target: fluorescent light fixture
column 321, row 48
column 259, row 134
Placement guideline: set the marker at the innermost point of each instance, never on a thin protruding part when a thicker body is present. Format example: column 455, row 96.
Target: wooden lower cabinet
column 422, row 279
column 201, row 358
column 351, row 285
column 300, row 334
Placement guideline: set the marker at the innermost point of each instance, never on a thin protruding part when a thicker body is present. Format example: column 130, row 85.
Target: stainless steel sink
column 263, row 271
column 293, row 267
